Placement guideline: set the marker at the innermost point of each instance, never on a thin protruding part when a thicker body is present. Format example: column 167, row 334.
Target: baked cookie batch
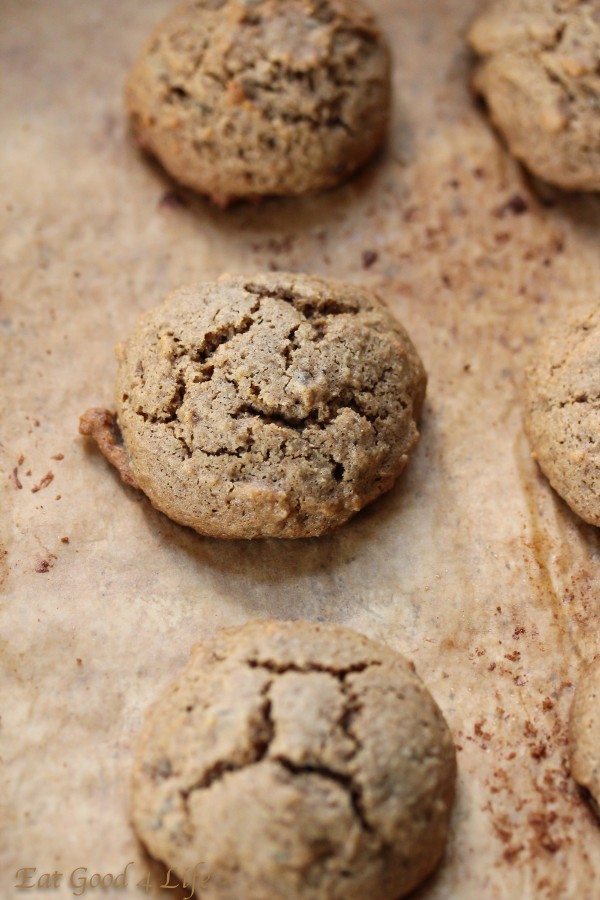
column 301, row 760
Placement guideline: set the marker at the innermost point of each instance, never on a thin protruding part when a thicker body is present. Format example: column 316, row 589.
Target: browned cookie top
column 584, row 732
column 242, row 99
column 563, row 413
column 540, row 75
column 273, row 405
column 298, row 762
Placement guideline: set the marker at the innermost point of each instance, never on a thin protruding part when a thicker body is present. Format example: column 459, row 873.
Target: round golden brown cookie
column 243, row 99
column 296, row 761
column 584, row 732
column 277, row 405
column 540, row 76
column 562, row 413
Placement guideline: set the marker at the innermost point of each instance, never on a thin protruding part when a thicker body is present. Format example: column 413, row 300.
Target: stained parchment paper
column 471, row 566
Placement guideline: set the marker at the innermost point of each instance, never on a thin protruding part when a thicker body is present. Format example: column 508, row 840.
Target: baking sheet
column 471, row 566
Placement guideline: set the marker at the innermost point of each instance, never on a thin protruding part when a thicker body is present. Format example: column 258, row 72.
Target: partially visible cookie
column 275, row 405
column 562, row 413
column 243, row 99
column 297, row 761
column 584, row 732
column 540, row 76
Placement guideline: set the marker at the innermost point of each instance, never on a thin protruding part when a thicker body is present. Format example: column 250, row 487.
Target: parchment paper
column 471, row 566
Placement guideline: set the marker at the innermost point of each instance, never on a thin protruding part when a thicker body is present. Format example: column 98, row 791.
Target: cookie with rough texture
column 540, row 76
column 240, row 99
column 277, row 405
column 562, row 413
column 584, row 732
column 297, row 761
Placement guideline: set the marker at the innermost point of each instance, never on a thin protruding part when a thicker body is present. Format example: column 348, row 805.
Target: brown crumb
column 541, row 823
column 369, row 258
column 15, row 475
column 547, row 704
column 20, row 460
column 58, row 456
column 491, row 667
column 102, row 426
column 46, row 480
column 529, row 729
column 64, row 540
column 43, row 566
column 79, row 661
column 478, row 730
column 511, row 852
column 516, row 205
column 503, row 833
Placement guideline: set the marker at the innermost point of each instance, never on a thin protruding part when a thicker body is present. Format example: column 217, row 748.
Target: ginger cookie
column 240, row 100
column 584, row 732
column 540, row 76
column 276, row 405
column 296, row 761
column 562, row 413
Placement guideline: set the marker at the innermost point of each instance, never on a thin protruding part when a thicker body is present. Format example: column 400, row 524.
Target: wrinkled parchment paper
column 471, row 566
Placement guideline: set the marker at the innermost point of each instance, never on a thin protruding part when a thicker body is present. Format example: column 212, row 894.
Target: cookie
column 240, row 100
column 562, row 413
column 277, row 405
column 540, row 76
column 584, row 733
column 296, row 761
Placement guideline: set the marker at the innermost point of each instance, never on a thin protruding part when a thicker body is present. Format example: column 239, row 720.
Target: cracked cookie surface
column 584, row 732
column 296, row 760
column 540, row 76
column 562, row 413
column 245, row 99
column 277, row 405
